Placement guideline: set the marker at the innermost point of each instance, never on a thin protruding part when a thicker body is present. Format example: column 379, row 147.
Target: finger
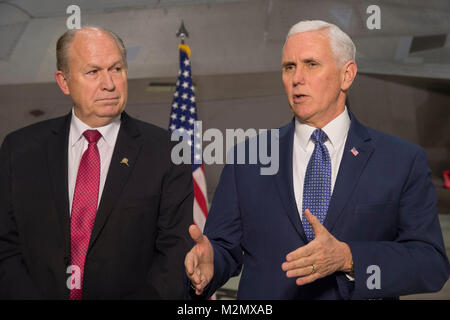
column 298, row 263
column 200, row 286
column 314, row 222
column 307, row 279
column 197, row 276
column 300, row 272
column 195, row 233
column 190, row 262
column 198, row 291
column 302, row 252
column 203, row 281
column 193, row 271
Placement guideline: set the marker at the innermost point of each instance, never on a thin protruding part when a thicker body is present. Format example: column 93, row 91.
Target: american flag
column 354, row 151
column 182, row 118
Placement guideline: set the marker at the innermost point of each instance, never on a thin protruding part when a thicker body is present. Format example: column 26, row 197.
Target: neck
column 94, row 122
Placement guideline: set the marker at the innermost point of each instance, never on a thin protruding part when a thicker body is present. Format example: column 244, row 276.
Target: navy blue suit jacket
column 383, row 206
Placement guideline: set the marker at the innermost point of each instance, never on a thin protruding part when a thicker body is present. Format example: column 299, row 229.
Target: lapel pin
column 124, row 161
column 354, row 151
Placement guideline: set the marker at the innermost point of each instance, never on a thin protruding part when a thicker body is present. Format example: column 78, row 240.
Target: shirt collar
column 336, row 130
column 77, row 127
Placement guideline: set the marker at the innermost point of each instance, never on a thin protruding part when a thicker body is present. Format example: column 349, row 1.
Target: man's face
column 98, row 80
column 311, row 78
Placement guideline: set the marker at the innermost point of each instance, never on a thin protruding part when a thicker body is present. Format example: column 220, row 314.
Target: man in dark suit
column 91, row 205
column 351, row 213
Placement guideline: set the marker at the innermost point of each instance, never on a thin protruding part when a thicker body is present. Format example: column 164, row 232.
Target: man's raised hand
column 199, row 262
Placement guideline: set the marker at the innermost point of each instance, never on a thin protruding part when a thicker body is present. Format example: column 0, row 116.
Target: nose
column 107, row 82
column 298, row 76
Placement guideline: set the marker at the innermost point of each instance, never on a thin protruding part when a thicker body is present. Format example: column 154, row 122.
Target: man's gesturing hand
column 199, row 262
column 321, row 257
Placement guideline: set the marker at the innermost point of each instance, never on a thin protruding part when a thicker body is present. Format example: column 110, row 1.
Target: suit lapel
column 57, row 158
column 284, row 178
column 350, row 170
column 127, row 146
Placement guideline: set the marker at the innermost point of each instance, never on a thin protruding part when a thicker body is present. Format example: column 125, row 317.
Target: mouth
column 108, row 100
column 299, row 98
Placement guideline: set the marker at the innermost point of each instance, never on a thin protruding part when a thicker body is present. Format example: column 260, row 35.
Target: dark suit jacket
column 383, row 206
column 140, row 235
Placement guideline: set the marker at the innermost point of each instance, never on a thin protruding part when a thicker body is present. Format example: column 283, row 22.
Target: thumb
column 195, row 233
column 314, row 222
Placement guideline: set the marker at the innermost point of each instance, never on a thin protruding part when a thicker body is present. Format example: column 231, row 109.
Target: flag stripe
column 199, row 216
column 199, row 176
column 200, row 198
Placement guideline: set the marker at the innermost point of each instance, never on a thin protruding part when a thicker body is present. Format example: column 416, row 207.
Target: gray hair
column 65, row 40
column 343, row 48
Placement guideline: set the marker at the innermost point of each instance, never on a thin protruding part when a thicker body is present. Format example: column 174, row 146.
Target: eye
column 288, row 67
column 118, row 69
column 312, row 64
column 92, row 72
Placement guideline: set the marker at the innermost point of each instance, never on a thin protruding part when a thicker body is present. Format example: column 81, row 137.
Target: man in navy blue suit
column 351, row 212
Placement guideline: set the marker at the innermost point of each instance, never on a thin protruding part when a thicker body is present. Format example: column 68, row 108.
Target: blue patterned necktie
column 317, row 185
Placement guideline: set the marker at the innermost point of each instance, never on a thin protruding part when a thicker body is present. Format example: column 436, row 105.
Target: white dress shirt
column 78, row 144
column 303, row 148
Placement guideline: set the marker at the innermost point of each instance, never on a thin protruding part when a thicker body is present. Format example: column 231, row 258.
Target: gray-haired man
column 346, row 199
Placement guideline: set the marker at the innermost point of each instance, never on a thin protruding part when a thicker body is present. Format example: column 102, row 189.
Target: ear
column 349, row 71
column 62, row 82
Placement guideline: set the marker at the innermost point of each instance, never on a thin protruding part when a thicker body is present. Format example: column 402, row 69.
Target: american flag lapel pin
column 354, row 151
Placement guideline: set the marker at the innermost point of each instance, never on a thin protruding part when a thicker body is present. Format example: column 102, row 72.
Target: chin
column 109, row 110
column 301, row 112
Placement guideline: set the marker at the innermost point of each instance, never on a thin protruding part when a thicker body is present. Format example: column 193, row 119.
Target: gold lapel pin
column 124, row 161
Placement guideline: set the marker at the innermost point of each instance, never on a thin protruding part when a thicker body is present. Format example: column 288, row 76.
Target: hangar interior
column 402, row 86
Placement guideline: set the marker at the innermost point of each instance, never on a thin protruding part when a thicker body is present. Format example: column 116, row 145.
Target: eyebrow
column 288, row 63
column 311, row 59
column 94, row 66
column 304, row 60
